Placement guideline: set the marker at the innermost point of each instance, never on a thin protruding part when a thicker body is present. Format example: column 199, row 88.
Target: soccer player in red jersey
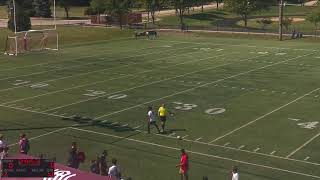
column 184, row 165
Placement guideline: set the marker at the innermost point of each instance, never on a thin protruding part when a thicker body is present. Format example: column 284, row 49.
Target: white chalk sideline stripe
column 198, row 153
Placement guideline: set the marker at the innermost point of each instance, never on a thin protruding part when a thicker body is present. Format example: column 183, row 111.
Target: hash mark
column 256, row 150
column 226, row 144
column 294, row 119
column 273, row 152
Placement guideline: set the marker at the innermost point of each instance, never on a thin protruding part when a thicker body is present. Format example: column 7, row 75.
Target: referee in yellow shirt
column 162, row 113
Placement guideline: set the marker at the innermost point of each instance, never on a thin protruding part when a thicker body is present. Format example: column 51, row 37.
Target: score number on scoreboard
column 27, row 168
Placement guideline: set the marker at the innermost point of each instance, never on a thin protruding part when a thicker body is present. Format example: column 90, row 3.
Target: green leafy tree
column 23, row 22
column 314, row 18
column 98, row 6
column 42, row 8
column 245, row 8
column 66, row 5
column 181, row 7
column 118, row 8
column 218, row 2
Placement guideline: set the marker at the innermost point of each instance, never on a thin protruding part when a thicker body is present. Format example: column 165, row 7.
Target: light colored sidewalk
column 173, row 11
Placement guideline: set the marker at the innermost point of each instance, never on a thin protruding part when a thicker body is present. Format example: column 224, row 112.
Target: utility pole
column 281, row 20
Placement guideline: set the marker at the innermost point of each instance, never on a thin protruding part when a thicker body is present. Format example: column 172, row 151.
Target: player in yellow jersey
column 162, row 113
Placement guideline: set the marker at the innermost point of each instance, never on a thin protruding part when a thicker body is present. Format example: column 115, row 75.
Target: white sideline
column 214, row 145
column 204, row 85
column 144, row 85
column 303, row 145
column 85, row 64
column 120, row 77
column 241, row 45
column 197, row 153
column 265, row 115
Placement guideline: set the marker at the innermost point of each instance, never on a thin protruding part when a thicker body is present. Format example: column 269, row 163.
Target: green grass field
column 250, row 103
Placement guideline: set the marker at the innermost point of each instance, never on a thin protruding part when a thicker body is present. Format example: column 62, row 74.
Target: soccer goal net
column 33, row 40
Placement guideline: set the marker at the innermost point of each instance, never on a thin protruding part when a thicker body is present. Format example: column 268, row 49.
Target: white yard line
column 197, row 153
column 303, row 145
column 200, row 86
column 265, row 115
column 85, row 64
column 120, row 77
column 144, row 85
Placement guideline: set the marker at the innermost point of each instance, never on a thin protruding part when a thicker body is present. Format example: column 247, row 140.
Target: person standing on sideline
column 3, row 148
column 162, row 113
column 235, row 174
column 184, row 165
column 114, row 171
column 24, row 145
column 103, row 167
column 152, row 120
column 73, row 160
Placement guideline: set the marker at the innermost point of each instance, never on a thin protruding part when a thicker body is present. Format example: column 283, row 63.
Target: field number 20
column 187, row 107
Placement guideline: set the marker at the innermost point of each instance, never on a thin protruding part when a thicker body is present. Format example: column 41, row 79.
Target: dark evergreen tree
column 42, row 8
column 23, row 22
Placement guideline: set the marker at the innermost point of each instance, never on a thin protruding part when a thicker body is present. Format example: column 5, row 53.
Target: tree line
column 120, row 8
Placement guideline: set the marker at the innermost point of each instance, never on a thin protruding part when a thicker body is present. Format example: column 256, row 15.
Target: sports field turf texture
column 247, row 103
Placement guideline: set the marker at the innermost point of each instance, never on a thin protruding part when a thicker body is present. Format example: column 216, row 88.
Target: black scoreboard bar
column 27, row 168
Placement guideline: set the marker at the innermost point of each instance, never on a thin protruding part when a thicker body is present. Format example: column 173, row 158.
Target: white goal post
column 32, row 40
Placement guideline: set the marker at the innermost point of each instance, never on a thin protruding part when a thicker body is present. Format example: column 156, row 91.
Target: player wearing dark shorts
column 162, row 113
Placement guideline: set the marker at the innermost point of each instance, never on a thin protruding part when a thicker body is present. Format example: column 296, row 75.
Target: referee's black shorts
column 163, row 118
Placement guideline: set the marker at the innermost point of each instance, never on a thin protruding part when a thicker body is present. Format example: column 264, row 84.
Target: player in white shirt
column 235, row 174
column 3, row 144
column 152, row 120
column 114, row 171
